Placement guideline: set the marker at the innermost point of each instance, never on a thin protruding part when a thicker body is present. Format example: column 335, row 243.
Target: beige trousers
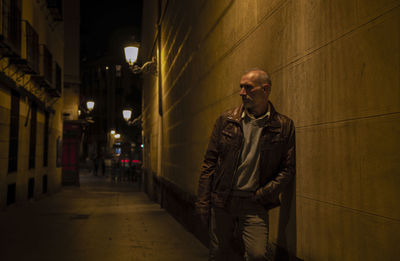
column 239, row 231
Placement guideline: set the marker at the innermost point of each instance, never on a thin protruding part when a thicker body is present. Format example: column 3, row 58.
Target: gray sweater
column 247, row 178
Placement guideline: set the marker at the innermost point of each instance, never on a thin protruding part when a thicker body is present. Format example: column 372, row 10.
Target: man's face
column 253, row 95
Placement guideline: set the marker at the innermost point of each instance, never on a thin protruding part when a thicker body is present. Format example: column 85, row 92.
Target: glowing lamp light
column 79, row 112
column 127, row 113
column 112, row 132
column 131, row 54
column 117, row 136
column 90, row 105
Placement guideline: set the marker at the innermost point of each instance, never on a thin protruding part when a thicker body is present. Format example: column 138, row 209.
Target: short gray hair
column 263, row 76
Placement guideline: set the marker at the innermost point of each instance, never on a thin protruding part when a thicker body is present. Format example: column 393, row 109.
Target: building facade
column 31, row 98
column 110, row 83
column 335, row 71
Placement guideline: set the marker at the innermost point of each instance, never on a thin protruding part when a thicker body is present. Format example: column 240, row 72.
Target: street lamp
column 112, row 132
column 90, row 105
column 117, row 136
column 131, row 54
column 127, row 113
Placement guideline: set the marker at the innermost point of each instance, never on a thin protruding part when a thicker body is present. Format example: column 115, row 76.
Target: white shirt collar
column 266, row 115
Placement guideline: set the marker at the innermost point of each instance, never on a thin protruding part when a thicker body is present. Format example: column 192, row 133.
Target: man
column 249, row 159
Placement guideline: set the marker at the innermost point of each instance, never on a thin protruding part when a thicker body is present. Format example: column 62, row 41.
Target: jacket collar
column 273, row 121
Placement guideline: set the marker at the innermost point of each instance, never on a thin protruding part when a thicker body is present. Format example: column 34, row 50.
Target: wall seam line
column 349, row 208
column 349, row 32
column 347, row 120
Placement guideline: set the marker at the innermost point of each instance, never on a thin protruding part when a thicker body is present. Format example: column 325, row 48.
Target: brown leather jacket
column 277, row 160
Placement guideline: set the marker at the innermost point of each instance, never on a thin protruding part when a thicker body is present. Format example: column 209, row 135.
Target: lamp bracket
column 147, row 67
column 136, row 121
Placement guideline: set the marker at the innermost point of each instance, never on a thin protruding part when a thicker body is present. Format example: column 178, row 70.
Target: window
column 118, row 68
column 32, row 47
column 11, row 191
column 31, row 188
column 46, row 140
column 32, row 139
column 14, row 126
column 44, row 184
column 11, row 23
column 47, row 64
column 58, row 80
column 55, row 7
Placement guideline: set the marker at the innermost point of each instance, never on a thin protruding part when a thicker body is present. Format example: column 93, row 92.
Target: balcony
column 10, row 28
column 29, row 60
column 45, row 76
column 57, row 86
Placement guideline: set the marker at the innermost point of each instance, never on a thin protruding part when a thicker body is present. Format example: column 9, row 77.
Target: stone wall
column 335, row 71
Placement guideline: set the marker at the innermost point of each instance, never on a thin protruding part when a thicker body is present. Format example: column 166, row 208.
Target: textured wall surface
column 335, row 71
column 5, row 106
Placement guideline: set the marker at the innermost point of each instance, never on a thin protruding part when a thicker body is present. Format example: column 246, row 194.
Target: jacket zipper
column 238, row 156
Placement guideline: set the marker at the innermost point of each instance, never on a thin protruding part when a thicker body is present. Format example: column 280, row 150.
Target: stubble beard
column 247, row 104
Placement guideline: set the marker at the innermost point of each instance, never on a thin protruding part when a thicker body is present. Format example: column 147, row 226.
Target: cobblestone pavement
column 97, row 221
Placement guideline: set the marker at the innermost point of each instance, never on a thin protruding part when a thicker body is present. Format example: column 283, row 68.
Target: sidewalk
column 98, row 221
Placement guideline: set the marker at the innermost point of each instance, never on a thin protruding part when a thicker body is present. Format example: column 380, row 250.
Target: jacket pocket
column 227, row 141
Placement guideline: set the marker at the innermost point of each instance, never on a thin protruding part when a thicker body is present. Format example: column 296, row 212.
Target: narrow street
column 98, row 221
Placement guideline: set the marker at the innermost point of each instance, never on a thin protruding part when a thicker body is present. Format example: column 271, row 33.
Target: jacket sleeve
column 287, row 169
column 208, row 167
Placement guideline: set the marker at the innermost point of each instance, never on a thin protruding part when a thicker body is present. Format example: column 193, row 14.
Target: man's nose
column 242, row 92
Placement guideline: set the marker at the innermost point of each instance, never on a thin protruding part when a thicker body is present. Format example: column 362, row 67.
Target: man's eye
column 247, row 87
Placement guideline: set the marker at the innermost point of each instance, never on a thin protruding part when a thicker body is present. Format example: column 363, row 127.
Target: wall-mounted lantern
column 131, row 54
column 127, row 114
column 90, row 105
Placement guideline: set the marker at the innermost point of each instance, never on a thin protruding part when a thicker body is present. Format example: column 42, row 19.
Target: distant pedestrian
column 95, row 165
column 103, row 166
column 113, row 169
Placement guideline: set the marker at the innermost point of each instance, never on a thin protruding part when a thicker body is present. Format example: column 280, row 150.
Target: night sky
column 106, row 25
column 105, row 28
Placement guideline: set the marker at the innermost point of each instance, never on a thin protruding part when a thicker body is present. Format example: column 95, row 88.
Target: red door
column 70, row 153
